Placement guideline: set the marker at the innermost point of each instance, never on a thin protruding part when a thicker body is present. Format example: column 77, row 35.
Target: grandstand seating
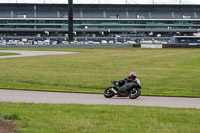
column 47, row 14
column 100, row 18
column 63, row 14
column 115, row 14
column 92, row 14
column 25, row 13
column 198, row 14
column 179, row 14
column 50, row 11
column 137, row 13
column 5, row 13
column 77, row 14
column 156, row 14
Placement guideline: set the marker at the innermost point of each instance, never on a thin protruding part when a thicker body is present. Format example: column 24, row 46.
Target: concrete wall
column 172, row 46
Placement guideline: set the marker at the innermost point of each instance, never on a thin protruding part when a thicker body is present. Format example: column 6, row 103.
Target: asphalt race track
column 80, row 98
column 32, row 53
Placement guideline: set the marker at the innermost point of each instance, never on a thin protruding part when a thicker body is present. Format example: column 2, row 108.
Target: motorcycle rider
column 128, row 82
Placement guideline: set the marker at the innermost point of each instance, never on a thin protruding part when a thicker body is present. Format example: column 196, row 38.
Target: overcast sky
column 107, row 1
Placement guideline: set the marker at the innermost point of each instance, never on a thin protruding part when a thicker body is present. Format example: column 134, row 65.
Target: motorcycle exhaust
column 114, row 91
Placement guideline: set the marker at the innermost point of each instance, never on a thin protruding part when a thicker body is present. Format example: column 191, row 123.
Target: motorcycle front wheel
column 134, row 93
column 108, row 93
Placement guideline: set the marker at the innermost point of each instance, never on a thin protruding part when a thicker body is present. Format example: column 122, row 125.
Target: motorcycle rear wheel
column 134, row 93
column 108, row 93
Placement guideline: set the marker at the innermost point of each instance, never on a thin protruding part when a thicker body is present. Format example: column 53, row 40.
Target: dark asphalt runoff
column 79, row 98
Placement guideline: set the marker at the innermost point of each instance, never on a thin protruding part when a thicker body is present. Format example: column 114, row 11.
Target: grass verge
column 48, row 118
column 163, row 72
column 7, row 54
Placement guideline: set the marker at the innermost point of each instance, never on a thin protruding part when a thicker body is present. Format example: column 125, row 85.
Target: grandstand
column 98, row 20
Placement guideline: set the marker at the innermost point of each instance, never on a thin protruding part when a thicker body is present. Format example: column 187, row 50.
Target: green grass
column 163, row 72
column 47, row 118
column 6, row 54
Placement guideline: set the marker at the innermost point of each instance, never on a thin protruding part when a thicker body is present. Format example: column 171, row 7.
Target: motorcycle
column 133, row 92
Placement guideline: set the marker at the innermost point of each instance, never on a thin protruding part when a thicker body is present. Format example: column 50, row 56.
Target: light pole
column 70, row 20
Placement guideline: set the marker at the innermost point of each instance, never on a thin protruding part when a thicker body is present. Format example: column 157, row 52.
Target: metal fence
column 69, row 46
